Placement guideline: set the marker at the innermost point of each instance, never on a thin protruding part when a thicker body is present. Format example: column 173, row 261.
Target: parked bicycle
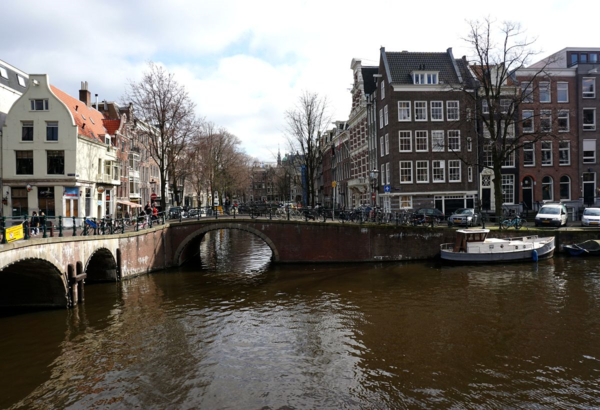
column 516, row 222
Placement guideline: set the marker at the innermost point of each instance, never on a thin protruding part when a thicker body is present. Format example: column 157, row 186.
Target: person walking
column 42, row 220
column 35, row 223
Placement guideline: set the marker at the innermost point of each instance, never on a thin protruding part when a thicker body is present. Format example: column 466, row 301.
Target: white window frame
column 509, row 161
column 546, row 115
column 589, row 126
column 437, row 110
column 545, row 85
column 564, row 87
column 588, row 94
column 387, row 144
column 508, row 188
column 421, row 110
column 550, row 190
column 387, row 173
column 529, row 116
column 404, row 111
column 404, row 138
column 453, row 110
column 3, row 72
column 21, row 81
column 564, row 150
column 381, row 146
column 453, row 140
column 382, row 89
column 454, row 167
column 437, row 141
column 420, row 166
column 546, row 149
column 529, row 147
column 406, row 202
column 563, row 114
column 590, row 147
column 470, row 173
column 421, row 141
column 33, row 104
column 385, row 115
column 526, row 93
column 382, row 176
column 438, row 165
column 488, row 161
column 485, row 108
column 560, row 185
column 380, row 118
column 406, row 171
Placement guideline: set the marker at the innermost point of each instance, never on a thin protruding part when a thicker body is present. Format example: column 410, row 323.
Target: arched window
column 565, row 187
column 547, row 189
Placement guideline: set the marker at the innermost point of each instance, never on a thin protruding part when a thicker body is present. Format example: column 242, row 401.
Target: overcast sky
column 244, row 63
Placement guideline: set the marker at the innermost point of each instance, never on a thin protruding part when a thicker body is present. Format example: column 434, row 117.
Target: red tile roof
column 112, row 126
column 88, row 120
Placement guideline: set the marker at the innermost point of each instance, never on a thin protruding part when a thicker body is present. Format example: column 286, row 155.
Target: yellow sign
column 14, row 233
column 333, row 184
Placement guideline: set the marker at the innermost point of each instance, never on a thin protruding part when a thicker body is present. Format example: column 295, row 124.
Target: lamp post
column 374, row 174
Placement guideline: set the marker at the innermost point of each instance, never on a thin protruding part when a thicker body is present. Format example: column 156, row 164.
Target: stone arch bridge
column 50, row 272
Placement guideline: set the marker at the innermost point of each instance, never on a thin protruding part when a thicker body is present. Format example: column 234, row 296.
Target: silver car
column 465, row 216
column 590, row 217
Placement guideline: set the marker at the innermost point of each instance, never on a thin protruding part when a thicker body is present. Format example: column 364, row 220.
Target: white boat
column 473, row 245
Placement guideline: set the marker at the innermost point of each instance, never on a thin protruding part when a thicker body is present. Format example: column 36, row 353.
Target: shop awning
column 128, row 203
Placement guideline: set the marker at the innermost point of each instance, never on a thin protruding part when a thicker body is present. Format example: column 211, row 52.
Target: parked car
column 421, row 212
column 590, row 217
column 551, row 215
column 175, row 211
column 465, row 216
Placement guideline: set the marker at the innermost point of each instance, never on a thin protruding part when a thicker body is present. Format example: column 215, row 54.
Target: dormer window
column 425, row 77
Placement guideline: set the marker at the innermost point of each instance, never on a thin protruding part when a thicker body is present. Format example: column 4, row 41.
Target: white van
column 552, row 215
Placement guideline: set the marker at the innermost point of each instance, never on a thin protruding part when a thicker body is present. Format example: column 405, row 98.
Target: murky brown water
column 239, row 334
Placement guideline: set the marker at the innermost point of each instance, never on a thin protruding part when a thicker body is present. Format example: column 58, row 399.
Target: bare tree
column 500, row 54
column 305, row 124
column 165, row 106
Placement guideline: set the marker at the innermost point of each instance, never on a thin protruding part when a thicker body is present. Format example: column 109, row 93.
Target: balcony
column 360, row 184
column 108, row 179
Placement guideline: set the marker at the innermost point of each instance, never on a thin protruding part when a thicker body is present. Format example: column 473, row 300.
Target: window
column 405, row 141
column 385, row 115
column 526, row 93
column 544, row 92
column 454, row 170
column 508, row 188
column 529, row 154
column 27, row 131
column 583, row 58
column 403, row 110
column 380, row 118
column 381, row 146
column 574, row 58
column 562, row 92
column 437, row 141
column 547, row 189
column 528, row 121
column 469, row 144
column 485, row 108
column 39, row 105
column 422, row 171
column 405, row 202
column 382, row 174
column 56, row 162
column 452, row 111
column 51, row 131
column 3, row 72
column 488, row 160
column 437, row 111
column 425, row 78
column 589, row 151
column 563, row 121
column 387, row 144
column 546, row 153
column 546, row 121
column 509, row 161
column 21, row 81
column 421, row 141
column 382, row 89
column 589, row 87
column 420, row 110
column 438, row 171
column 505, row 104
column 470, row 173
column 565, row 187
column 589, row 119
column 406, row 172
column 24, row 162
column 593, row 58
column 387, row 173
column 564, row 153
column 454, row 140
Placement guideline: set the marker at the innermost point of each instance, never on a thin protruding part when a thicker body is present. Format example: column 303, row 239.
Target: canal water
column 239, row 333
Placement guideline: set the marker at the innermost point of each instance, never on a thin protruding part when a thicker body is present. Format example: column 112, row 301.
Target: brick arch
column 101, row 266
column 182, row 253
column 33, row 282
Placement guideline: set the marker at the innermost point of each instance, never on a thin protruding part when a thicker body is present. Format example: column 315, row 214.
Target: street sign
column 373, row 196
column 153, row 196
column 333, row 184
column 387, row 188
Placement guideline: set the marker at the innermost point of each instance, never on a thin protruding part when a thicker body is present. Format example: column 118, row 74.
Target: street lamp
column 374, row 175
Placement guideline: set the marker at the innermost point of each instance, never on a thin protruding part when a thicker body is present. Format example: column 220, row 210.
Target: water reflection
column 237, row 332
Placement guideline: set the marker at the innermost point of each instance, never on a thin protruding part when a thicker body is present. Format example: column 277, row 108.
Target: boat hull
column 545, row 250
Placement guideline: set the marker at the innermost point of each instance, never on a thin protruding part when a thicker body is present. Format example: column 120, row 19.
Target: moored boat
column 473, row 245
column 591, row 247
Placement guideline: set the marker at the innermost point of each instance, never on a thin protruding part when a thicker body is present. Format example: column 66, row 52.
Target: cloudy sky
column 244, row 63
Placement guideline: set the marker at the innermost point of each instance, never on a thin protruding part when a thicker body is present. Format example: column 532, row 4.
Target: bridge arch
column 33, row 282
column 189, row 246
column 101, row 266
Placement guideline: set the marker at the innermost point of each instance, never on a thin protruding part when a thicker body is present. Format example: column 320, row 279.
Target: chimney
column 84, row 95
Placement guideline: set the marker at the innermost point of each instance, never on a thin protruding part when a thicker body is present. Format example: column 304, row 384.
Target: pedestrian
column 148, row 209
column 155, row 213
column 35, row 223
column 42, row 220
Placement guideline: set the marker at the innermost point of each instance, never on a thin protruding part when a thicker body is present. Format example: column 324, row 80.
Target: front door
column 589, row 188
column 528, row 192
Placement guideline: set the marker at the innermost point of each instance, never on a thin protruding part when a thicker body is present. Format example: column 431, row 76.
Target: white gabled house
column 57, row 155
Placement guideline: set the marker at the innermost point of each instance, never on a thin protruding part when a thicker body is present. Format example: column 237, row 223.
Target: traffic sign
column 387, row 188
column 373, row 196
column 153, row 196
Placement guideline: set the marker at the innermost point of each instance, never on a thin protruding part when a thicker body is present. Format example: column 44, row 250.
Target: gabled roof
column 112, row 126
column 13, row 75
column 400, row 66
column 88, row 120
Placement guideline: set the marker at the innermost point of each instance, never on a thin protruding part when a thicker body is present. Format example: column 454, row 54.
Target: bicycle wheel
column 505, row 224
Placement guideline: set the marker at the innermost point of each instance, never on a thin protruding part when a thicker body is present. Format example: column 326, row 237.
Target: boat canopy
column 468, row 235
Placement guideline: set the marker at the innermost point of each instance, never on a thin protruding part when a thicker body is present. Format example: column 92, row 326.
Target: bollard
column 60, row 226
column 74, row 227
